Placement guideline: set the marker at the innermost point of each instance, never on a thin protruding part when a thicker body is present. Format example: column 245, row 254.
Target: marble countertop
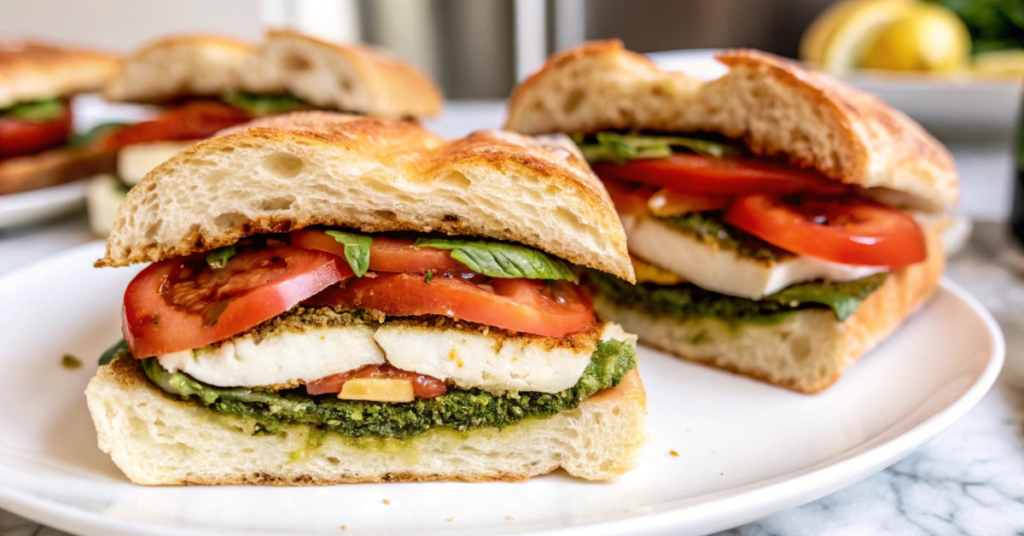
column 968, row 481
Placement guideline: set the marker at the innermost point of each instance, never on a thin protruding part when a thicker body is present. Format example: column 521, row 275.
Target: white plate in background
column 38, row 205
column 745, row 449
column 947, row 107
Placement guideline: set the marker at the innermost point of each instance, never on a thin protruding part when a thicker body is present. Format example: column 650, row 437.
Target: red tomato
column 18, row 136
column 527, row 305
column 628, row 198
column 667, row 202
column 182, row 304
column 387, row 254
column 193, row 121
column 844, row 230
column 722, row 176
column 424, row 386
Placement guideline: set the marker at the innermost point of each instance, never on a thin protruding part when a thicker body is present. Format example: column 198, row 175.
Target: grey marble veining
column 969, row 481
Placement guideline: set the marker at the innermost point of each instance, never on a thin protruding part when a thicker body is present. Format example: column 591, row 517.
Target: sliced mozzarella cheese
column 135, row 161
column 491, row 362
column 280, row 359
column 723, row 270
column 103, row 197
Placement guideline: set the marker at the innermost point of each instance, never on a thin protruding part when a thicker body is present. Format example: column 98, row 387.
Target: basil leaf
column 112, row 353
column 36, row 112
column 843, row 298
column 621, row 148
column 357, row 250
column 93, row 134
column 218, row 258
column 265, row 104
column 498, row 259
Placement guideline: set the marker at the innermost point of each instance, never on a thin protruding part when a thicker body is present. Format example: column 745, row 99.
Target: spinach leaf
column 111, row 353
column 502, row 260
column 37, row 111
column 218, row 258
column 621, row 148
column 265, row 104
column 357, row 250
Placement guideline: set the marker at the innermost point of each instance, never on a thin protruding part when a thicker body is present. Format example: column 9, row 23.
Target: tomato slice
column 846, row 230
column 424, row 386
column 628, row 197
column 721, row 176
column 527, row 305
column 180, row 304
column 193, row 121
column 387, row 254
column 18, row 136
column 667, row 202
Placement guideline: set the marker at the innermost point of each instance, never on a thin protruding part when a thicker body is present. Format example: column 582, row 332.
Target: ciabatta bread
column 350, row 78
column 157, row 439
column 181, row 66
column 807, row 351
column 53, row 167
column 32, row 71
column 774, row 106
column 315, row 168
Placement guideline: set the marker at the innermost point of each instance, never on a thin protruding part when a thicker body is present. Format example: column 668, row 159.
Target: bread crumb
column 343, row 527
column 451, row 518
column 386, row 501
column 673, row 453
column 712, row 452
column 510, row 518
column 687, row 430
column 723, row 474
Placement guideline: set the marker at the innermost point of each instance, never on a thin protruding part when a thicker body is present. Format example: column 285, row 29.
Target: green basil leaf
column 112, row 353
column 429, row 277
column 36, row 112
column 843, row 298
column 260, row 105
column 621, row 148
column 93, row 134
column 357, row 250
column 502, row 260
column 218, row 258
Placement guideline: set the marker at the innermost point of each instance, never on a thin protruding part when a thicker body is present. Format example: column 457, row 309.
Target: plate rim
column 783, row 493
column 22, row 208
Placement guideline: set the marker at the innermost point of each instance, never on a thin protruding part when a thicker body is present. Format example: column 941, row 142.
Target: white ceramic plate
column 944, row 106
column 37, row 205
column 745, row 449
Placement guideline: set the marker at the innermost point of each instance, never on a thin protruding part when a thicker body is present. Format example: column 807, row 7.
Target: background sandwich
column 357, row 300
column 37, row 145
column 207, row 83
column 781, row 223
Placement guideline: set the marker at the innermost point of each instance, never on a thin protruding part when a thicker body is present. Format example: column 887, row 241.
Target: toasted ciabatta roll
column 30, row 71
column 179, row 66
column 350, row 78
column 721, row 286
column 374, row 304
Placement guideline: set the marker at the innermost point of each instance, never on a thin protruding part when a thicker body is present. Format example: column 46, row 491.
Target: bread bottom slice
column 808, row 350
column 54, row 167
column 157, row 439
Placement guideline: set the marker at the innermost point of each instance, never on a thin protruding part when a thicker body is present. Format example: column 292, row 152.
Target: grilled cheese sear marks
column 723, row 270
column 308, row 345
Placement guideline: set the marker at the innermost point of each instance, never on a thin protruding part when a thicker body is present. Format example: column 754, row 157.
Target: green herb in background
column 621, row 148
column 70, row 362
column 265, row 104
column 35, row 112
column 994, row 24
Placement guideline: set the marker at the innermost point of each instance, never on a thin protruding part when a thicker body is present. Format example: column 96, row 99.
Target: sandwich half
column 780, row 222
column 207, row 83
column 337, row 299
column 37, row 145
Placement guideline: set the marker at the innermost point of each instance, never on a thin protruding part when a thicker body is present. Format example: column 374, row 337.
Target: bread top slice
column 179, row 66
column 349, row 78
column 31, row 71
column 286, row 172
column 774, row 106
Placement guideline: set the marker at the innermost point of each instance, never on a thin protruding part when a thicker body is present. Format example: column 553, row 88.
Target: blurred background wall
column 474, row 48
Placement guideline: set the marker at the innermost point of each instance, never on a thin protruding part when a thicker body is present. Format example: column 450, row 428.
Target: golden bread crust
column 409, row 179
column 776, row 107
column 54, row 167
column 33, row 71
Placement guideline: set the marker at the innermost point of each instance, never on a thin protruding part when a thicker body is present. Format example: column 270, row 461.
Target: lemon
column 840, row 36
column 930, row 38
column 1000, row 63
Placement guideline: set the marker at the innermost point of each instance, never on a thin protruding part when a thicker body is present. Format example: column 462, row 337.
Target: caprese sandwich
column 37, row 145
column 205, row 84
column 780, row 223
column 336, row 298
